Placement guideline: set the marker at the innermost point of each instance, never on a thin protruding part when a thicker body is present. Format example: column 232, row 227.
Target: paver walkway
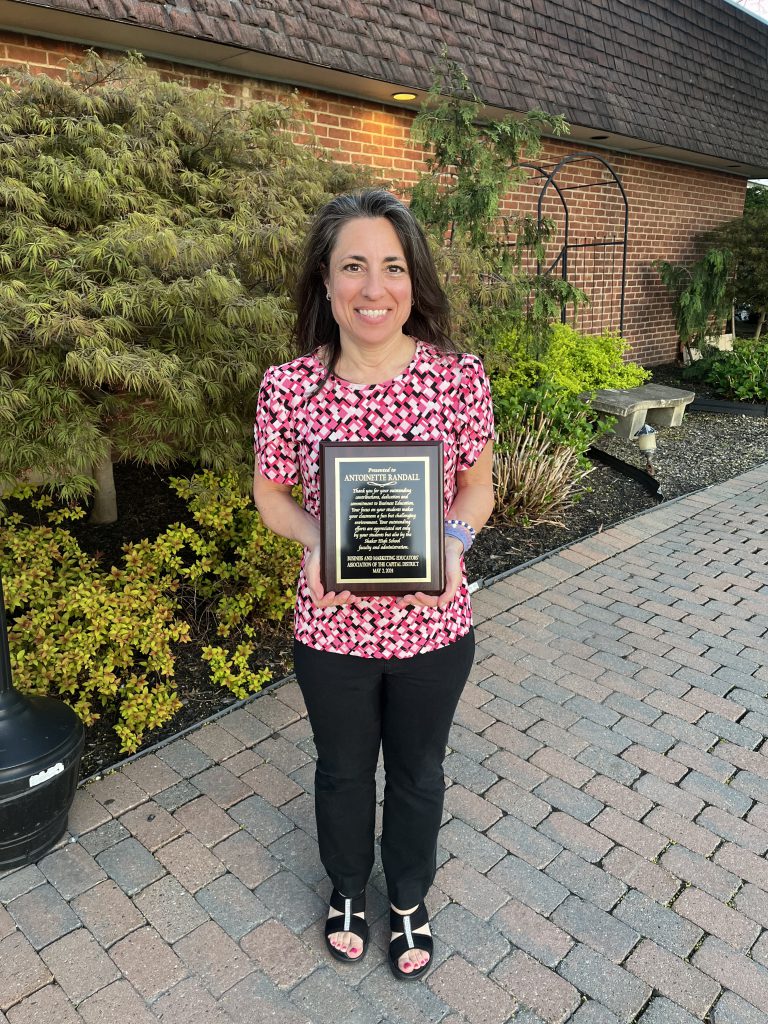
column 602, row 858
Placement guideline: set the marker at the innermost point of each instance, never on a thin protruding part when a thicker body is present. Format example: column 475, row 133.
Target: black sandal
column 409, row 939
column 346, row 921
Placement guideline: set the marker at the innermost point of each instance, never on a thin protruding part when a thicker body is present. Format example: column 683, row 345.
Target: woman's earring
column 328, row 296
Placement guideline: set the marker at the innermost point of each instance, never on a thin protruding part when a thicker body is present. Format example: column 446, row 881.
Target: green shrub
column 233, row 669
column 573, row 361
column 233, row 568
column 542, row 435
column 702, row 295
column 230, row 562
column 741, row 375
column 698, row 370
column 543, row 427
column 588, row 362
column 103, row 641
column 149, row 237
column 518, row 403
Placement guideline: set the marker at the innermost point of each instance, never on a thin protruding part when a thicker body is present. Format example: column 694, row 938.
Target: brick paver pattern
column 602, row 857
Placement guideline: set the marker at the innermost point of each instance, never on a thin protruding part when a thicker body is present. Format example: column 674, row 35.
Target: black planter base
column 41, row 740
column 28, row 848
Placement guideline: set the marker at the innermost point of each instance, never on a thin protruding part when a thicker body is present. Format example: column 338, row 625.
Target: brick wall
column 669, row 204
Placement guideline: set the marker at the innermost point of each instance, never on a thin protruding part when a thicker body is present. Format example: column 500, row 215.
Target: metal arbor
column 574, row 254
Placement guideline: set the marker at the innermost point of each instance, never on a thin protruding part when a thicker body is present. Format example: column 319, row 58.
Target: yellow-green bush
column 103, row 640
column 232, row 566
column 572, row 361
column 100, row 640
column 233, row 671
column 587, row 362
column 229, row 560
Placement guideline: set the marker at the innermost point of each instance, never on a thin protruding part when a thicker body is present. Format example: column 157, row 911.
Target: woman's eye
column 351, row 266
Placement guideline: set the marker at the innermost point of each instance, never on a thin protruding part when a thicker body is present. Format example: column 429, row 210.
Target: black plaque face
column 381, row 519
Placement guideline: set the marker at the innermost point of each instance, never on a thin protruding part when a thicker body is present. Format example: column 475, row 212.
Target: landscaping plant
column 588, row 362
column 741, row 375
column 536, row 473
column 544, row 427
column 702, row 296
column 235, row 575
column 102, row 641
column 756, row 197
column 148, row 240
column 472, row 165
column 746, row 241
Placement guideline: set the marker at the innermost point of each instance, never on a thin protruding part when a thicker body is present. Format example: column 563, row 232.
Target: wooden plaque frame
column 397, row 488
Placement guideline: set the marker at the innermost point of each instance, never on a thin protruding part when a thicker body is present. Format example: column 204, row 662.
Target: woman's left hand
column 453, row 552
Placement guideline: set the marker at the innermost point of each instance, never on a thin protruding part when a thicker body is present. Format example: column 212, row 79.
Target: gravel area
column 705, row 449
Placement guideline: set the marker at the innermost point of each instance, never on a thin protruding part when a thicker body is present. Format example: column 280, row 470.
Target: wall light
column 403, row 96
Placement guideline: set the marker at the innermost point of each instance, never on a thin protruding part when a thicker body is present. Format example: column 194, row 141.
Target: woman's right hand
column 312, row 573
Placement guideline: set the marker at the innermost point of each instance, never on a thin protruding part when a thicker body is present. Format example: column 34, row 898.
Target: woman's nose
column 374, row 284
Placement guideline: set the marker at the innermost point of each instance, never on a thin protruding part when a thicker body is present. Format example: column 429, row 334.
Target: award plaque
column 381, row 517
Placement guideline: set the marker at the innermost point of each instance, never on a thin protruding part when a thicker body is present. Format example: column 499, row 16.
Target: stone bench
column 660, row 406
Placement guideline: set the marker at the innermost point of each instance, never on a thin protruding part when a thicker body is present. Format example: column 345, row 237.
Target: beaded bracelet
column 461, row 530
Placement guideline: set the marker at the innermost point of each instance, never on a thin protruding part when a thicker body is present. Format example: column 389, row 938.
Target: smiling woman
column 376, row 672
column 369, row 288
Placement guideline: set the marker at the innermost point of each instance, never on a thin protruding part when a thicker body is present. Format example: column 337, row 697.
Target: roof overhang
column 91, row 30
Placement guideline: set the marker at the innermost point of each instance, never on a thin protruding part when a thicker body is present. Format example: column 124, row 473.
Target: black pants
column 406, row 706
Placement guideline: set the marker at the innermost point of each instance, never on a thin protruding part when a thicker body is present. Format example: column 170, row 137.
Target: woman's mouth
column 372, row 314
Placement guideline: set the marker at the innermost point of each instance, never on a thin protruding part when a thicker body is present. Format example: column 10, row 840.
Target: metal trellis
column 569, row 249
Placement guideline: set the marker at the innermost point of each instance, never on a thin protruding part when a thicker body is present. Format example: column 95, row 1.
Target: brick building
column 672, row 95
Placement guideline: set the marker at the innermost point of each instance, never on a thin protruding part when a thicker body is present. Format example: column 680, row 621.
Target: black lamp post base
column 28, row 848
column 41, row 740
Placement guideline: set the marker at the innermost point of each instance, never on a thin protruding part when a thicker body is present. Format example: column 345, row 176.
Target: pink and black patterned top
column 438, row 397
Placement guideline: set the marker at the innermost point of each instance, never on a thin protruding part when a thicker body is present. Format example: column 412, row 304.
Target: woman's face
column 369, row 282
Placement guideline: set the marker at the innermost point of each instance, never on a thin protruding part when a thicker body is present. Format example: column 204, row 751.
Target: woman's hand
column 454, row 549
column 318, row 595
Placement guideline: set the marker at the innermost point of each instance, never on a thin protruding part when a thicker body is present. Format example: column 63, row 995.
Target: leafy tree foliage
column 756, row 197
column 472, row 165
column 746, row 240
column 148, row 240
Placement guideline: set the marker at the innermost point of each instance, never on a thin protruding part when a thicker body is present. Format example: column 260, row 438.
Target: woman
column 377, row 364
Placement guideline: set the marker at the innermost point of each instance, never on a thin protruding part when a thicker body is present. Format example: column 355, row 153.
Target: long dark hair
column 430, row 315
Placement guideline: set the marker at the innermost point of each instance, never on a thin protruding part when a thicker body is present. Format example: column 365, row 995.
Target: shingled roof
column 691, row 74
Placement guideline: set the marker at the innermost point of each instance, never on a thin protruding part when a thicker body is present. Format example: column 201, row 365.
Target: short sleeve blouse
column 438, row 397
